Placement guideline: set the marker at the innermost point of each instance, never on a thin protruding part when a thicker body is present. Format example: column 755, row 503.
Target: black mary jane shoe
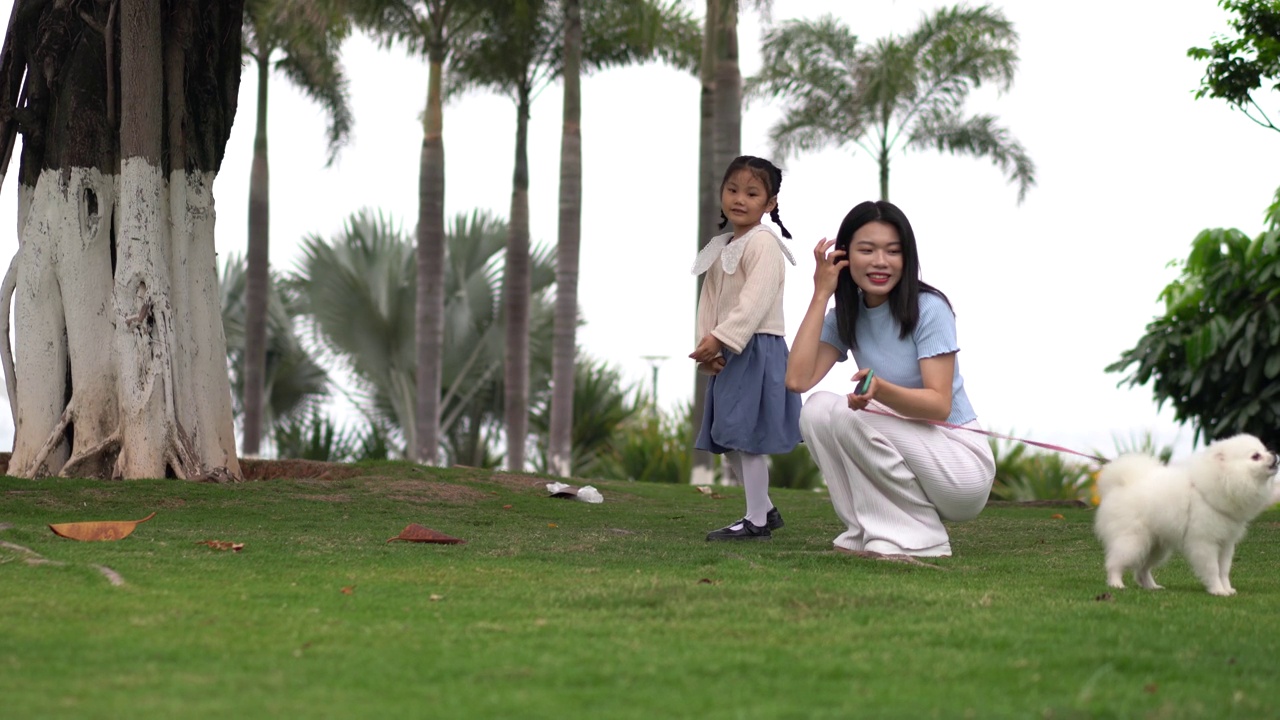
column 773, row 520
column 742, row 530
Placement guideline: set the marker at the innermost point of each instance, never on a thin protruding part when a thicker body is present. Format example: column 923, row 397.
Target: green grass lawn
column 561, row 609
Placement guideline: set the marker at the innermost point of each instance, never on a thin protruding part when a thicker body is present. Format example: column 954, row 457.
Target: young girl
column 893, row 481
column 749, row 412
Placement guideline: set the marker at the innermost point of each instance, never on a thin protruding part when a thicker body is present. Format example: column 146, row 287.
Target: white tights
column 753, row 470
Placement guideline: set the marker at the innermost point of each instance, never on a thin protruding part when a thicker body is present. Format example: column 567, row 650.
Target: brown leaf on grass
column 97, row 530
column 348, row 590
column 718, row 496
column 1150, row 688
column 1105, row 597
column 222, row 545
column 706, row 581
column 506, row 507
column 413, row 532
column 1056, row 516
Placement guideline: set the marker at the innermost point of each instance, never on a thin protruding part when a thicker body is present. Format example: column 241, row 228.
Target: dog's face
column 1245, row 455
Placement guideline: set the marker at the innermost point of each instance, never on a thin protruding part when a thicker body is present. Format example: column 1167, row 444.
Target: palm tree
column 906, row 92
column 305, row 37
column 564, row 338
column 360, row 292
column 294, row 383
column 603, row 403
column 720, row 140
column 518, row 52
column 436, row 29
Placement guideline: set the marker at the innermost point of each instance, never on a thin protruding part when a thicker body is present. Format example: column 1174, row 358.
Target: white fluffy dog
column 1199, row 507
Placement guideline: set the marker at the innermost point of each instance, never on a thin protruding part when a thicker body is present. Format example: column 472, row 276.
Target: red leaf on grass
column 413, row 532
column 97, row 530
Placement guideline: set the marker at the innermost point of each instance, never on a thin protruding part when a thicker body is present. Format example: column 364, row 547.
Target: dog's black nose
column 1275, row 460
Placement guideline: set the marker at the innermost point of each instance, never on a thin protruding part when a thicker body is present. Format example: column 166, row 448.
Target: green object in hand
column 865, row 384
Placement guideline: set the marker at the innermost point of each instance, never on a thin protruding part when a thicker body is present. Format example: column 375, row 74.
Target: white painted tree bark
column 119, row 362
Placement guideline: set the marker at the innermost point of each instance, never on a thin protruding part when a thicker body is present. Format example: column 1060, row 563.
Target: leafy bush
column 795, row 470
column 1023, row 475
column 651, row 447
column 1215, row 353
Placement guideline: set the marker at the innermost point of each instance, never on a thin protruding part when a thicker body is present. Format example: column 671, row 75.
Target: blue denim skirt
column 748, row 405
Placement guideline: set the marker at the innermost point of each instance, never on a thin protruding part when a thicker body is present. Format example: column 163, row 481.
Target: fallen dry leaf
column 706, row 581
column 552, row 525
column 413, row 532
column 435, row 598
column 222, row 545
column 1056, row 516
column 348, row 590
column 98, row 530
column 506, row 507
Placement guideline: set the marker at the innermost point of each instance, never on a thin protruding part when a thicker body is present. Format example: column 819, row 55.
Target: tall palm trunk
column 515, row 297
column 728, row 97
column 883, row 161
column 708, row 205
column 429, row 307
column 257, row 276
column 566, row 319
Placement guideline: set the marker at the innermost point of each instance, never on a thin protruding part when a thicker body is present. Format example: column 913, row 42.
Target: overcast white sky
column 1047, row 294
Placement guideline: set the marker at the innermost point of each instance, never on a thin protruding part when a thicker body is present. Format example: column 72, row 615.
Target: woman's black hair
column 904, row 298
column 768, row 173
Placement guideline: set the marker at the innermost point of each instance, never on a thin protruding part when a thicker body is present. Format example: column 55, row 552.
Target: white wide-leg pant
column 893, row 481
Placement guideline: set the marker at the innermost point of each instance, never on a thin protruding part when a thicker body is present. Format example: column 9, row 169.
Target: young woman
column 893, row 479
column 749, row 411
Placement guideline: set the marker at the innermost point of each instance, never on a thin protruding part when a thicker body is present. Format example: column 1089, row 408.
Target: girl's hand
column 708, row 349
column 860, row 402
column 829, row 265
column 711, row 368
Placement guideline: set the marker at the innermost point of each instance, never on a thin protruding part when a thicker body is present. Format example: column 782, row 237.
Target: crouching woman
column 893, row 479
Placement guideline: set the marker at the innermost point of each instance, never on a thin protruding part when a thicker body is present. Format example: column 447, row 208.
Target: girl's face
column 744, row 199
column 875, row 261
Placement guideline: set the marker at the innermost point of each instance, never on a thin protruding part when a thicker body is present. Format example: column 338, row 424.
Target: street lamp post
column 654, row 361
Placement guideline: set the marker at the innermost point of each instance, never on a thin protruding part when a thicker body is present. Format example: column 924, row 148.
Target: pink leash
column 939, row 423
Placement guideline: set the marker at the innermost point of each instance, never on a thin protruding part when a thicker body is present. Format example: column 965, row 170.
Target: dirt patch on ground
column 511, row 481
column 428, row 491
column 295, row 470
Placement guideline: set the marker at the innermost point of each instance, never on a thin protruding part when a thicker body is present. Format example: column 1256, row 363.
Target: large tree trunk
column 429, row 315
column 515, row 298
column 257, row 273
column 703, row 466
column 564, row 345
column 120, row 366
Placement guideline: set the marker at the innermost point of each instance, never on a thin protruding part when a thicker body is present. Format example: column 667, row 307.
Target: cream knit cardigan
column 742, row 293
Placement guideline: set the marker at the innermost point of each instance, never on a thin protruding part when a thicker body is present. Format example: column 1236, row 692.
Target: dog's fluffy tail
column 1123, row 470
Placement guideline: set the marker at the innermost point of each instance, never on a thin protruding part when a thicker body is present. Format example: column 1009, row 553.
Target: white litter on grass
column 586, row 493
column 589, row 494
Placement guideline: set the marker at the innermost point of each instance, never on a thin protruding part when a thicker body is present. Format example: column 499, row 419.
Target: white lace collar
column 730, row 253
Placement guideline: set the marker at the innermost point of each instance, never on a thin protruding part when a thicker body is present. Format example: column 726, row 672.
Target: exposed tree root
column 112, row 576
column 6, row 350
column 56, row 438
column 25, row 551
column 108, row 446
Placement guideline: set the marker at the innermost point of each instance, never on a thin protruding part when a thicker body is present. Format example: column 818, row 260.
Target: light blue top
column 898, row 359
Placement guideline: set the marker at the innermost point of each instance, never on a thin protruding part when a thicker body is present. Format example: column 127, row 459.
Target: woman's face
column 875, row 261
